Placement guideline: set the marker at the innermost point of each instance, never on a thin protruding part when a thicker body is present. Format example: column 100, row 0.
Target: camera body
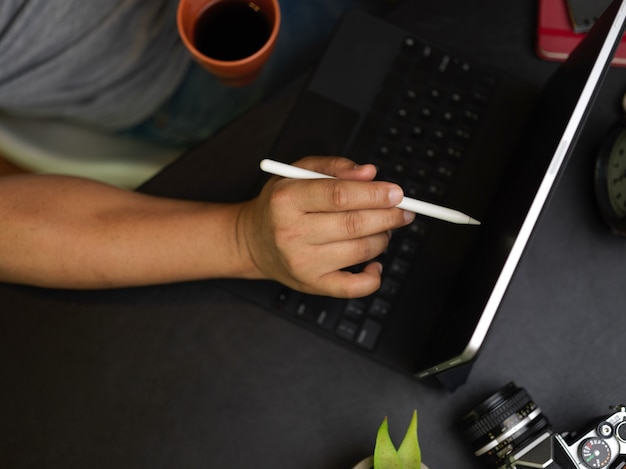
column 509, row 431
column 602, row 445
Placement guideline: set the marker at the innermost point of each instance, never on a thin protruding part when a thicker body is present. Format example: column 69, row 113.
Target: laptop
column 453, row 132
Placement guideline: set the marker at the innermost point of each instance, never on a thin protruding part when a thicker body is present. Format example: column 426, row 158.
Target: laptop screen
column 548, row 140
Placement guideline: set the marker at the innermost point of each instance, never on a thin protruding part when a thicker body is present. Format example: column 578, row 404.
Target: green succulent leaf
column 385, row 454
column 409, row 451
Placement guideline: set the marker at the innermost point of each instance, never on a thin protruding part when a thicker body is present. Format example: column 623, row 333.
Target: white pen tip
column 472, row 221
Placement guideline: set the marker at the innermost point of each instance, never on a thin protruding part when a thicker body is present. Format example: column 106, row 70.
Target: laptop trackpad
column 317, row 126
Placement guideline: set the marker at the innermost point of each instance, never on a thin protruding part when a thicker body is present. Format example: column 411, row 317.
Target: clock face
column 616, row 176
column 610, row 178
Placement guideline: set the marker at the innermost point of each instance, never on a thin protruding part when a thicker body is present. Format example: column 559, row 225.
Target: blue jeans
column 202, row 105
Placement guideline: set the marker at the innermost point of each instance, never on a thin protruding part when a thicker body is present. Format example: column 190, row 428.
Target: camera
column 509, row 431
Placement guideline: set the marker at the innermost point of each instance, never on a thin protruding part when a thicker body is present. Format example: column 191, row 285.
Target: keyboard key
column 457, row 72
column 355, row 309
column 399, row 268
column 393, row 132
column 437, row 190
column 420, row 172
column 426, row 112
column 323, row 310
column 288, row 300
column 408, row 247
column 487, row 82
column 430, row 153
column 479, row 98
column 411, row 95
column 368, row 336
column 380, row 309
column 418, row 228
column 434, row 94
column 445, row 170
column 305, row 311
column 448, row 117
column 430, row 59
column 454, row 152
column 457, row 98
column 347, row 329
column 389, row 288
column 443, row 65
column 439, row 134
column 327, row 319
column 402, row 113
column 414, row 190
column 410, row 46
column 383, row 151
column 463, row 135
column 471, row 116
column 408, row 150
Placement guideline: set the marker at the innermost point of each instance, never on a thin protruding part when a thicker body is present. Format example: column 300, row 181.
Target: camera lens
column 503, row 423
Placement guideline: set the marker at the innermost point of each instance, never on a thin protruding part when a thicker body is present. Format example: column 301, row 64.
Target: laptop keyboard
column 417, row 133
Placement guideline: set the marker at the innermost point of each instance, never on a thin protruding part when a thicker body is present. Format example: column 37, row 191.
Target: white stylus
column 412, row 205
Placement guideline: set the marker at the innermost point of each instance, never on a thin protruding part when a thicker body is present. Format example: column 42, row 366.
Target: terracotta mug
column 232, row 39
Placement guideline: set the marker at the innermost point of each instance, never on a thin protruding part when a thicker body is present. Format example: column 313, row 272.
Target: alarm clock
column 610, row 178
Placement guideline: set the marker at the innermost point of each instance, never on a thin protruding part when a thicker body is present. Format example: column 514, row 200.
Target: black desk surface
column 189, row 376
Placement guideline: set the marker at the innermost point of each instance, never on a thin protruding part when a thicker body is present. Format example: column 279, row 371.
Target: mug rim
column 265, row 49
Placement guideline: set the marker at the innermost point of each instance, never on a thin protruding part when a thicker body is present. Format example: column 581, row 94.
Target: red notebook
column 556, row 37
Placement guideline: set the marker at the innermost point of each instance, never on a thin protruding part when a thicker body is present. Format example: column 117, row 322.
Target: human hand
column 303, row 232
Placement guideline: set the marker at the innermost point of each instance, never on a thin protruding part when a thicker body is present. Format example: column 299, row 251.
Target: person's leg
column 202, row 104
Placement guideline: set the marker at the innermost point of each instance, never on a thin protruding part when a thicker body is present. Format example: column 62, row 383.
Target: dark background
column 188, row 376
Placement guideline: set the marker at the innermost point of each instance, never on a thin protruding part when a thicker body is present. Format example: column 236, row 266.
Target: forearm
column 67, row 232
column 73, row 233
column 8, row 167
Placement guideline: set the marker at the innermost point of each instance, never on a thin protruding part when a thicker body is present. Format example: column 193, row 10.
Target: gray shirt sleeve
column 107, row 63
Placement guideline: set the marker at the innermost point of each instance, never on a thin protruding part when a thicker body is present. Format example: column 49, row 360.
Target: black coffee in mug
column 231, row 31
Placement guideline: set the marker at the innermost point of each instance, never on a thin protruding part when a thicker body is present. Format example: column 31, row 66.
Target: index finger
column 338, row 195
column 340, row 167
